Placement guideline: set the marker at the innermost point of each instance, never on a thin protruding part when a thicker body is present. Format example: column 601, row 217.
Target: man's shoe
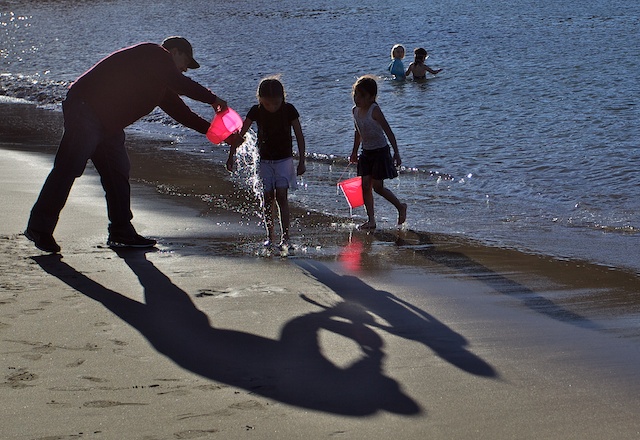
column 134, row 241
column 44, row 242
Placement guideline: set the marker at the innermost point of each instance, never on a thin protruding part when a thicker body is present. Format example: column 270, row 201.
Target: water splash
column 247, row 160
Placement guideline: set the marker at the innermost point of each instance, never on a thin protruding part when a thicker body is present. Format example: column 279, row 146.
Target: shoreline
column 207, row 187
column 201, row 338
column 580, row 287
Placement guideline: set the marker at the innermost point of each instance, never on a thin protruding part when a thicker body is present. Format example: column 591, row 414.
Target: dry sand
column 198, row 340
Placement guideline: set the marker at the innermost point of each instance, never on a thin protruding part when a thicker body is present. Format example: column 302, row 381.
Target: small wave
column 331, row 159
column 622, row 229
column 12, row 100
column 625, row 229
column 33, row 89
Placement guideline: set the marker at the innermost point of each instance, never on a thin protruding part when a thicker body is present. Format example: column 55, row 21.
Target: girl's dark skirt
column 377, row 163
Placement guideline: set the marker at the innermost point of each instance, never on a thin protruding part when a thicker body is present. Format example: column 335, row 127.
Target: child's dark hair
column 271, row 88
column 420, row 53
column 366, row 84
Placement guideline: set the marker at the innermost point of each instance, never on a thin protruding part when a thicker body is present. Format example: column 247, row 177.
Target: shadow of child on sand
column 291, row 369
column 496, row 280
column 402, row 318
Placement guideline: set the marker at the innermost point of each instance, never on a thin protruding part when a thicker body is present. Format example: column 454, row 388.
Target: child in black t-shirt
column 275, row 118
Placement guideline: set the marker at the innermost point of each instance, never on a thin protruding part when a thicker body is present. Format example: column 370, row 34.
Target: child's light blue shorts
column 278, row 174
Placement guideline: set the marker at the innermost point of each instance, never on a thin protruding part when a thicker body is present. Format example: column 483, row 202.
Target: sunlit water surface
column 527, row 139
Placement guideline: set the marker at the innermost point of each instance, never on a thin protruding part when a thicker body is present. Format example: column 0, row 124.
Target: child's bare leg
column 268, row 215
column 282, row 199
column 402, row 214
column 379, row 188
column 367, row 194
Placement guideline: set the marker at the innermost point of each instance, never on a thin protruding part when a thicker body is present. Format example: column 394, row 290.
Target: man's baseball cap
column 183, row 46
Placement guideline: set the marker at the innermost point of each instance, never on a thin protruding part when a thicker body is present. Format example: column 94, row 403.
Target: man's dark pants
column 84, row 138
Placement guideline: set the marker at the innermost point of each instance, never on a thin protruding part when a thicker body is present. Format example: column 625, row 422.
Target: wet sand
column 391, row 334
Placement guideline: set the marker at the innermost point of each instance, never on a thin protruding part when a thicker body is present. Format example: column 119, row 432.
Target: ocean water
column 528, row 139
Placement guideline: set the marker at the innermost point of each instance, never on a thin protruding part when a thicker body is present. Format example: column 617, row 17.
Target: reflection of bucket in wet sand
column 352, row 190
column 351, row 255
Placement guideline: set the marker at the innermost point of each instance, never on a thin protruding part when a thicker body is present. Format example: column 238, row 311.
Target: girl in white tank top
column 375, row 163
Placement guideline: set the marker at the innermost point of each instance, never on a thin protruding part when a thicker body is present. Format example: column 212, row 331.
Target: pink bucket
column 352, row 190
column 223, row 125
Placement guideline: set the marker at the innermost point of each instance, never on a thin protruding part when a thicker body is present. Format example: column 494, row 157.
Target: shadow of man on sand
column 290, row 369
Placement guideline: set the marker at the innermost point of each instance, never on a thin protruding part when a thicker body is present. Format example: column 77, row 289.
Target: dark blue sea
column 528, row 139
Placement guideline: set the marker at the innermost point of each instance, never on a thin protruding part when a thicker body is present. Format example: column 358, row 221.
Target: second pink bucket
column 352, row 190
column 223, row 125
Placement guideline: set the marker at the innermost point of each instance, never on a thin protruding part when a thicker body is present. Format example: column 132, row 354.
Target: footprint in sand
column 32, row 357
column 32, row 311
column 10, row 300
column 75, row 363
column 248, row 405
column 20, row 379
column 109, row 404
column 94, row 379
column 194, row 433
column 119, row 343
column 210, row 387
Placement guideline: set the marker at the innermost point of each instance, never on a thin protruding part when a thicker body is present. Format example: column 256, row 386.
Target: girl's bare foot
column 367, row 226
column 402, row 214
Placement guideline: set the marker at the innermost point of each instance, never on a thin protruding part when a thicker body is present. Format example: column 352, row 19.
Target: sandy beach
column 361, row 336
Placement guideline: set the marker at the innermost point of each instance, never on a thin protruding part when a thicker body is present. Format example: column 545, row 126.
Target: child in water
column 275, row 118
column 375, row 163
column 418, row 67
column 396, row 67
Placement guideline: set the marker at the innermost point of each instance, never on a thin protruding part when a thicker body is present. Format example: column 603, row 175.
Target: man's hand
column 219, row 105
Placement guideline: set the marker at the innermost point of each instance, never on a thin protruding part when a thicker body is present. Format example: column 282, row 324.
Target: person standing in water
column 116, row 92
column 275, row 118
column 396, row 67
column 375, row 164
column 418, row 68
